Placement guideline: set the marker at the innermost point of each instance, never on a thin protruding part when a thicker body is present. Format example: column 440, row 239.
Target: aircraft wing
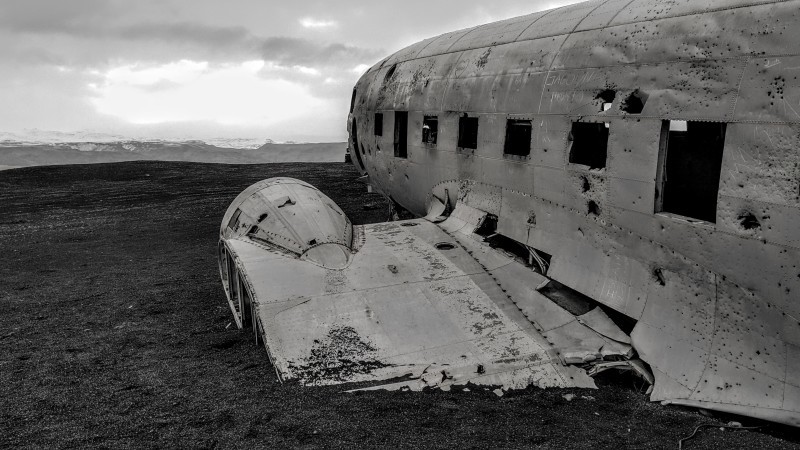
column 412, row 303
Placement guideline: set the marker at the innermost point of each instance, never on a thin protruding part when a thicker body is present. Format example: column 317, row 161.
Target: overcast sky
column 200, row 68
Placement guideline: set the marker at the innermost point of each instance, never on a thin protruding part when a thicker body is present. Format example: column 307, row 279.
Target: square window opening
column 518, row 137
column 468, row 132
column 690, row 162
column 378, row 124
column 430, row 129
column 401, row 134
column 589, row 144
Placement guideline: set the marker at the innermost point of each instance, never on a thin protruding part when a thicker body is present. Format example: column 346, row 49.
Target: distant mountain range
column 37, row 148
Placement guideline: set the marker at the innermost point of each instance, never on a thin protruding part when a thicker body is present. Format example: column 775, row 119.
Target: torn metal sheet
column 634, row 365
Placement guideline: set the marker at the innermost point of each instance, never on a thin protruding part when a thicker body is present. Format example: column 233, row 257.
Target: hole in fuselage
column 585, row 185
column 445, row 246
column 634, row 103
column 589, row 144
column 593, row 207
column 606, row 98
column 748, row 221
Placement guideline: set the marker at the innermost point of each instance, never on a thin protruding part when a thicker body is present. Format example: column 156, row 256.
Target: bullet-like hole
column 585, row 185
column 593, row 207
column 659, row 276
column 748, row 220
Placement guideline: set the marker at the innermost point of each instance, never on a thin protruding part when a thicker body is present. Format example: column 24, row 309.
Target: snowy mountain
column 92, row 141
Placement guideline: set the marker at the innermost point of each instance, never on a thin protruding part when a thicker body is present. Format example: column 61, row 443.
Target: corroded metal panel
column 716, row 300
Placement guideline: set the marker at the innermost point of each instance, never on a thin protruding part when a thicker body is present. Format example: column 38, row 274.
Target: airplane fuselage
column 652, row 149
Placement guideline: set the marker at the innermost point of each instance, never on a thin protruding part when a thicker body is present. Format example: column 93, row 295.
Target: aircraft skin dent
column 716, row 300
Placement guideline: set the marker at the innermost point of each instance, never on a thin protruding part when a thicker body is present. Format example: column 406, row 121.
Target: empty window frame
column 401, row 134
column 518, row 137
column 589, row 144
column 468, row 132
column 689, row 165
column 378, row 124
column 430, row 129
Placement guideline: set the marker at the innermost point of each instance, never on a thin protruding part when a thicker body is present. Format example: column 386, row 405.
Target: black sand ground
column 114, row 332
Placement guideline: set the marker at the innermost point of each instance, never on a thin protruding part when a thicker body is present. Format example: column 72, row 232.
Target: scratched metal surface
column 719, row 324
column 399, row 308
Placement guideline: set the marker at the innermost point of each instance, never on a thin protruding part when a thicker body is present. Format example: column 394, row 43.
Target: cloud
column 360, row 69
column 303, row 52
column 95, row 63
column 309, row 22
column 195, row 91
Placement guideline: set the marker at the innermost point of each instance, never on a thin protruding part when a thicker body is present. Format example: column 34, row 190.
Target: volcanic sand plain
column 115, row 332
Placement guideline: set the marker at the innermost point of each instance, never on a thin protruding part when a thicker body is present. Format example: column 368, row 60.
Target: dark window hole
column 262, row 217
column 690, row 163
column 445, row 246
column 468, row 132
column 401, row 134
column 518, row 137
column 378, row 124
column 430, row 129
column 409, row 224
column 589, row 144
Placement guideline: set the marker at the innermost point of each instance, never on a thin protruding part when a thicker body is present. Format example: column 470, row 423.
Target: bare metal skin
column 716, row 299
column 643, row 154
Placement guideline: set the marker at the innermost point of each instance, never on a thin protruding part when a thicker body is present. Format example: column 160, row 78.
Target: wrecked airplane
column 613, row 185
